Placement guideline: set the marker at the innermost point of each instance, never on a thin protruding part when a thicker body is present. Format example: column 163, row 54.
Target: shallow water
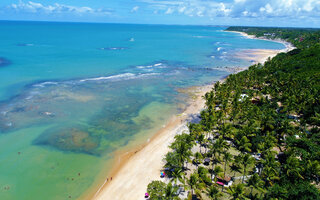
column 72, row 94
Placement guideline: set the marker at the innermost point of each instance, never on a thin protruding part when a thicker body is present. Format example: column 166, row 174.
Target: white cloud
column 182, row 9
column 34, row 7
column 169, row 11
column 238, row 8
column 135, row 9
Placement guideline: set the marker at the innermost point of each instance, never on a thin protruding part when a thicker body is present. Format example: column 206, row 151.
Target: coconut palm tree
column 255, row 182
column 269, row 175
column 213, row 193
column 236, row 165
column 195, row 185
column 198, row 158
column 214, row 151
column 293, row 168
column 182, row 147
column 173, row 160
column 244, row 144
column 178, row 175
column 170, row 192
column 227, row 157
column 201, row 140
column 246, row 160
column 221, row 145
column 237, row 192
column 313, row 170
column 218, row 171
column 203, row 175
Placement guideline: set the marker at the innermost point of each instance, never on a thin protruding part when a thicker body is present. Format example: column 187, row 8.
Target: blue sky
column 293, row 13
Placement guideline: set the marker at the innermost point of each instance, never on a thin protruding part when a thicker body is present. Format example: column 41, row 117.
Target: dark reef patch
column 4, row 62
column 73, row 139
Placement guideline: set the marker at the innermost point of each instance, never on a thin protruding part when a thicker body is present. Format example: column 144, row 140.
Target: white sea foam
column 144, row 67
column 119, row 76
column 219, row 48
column 157, row 65
column 45, row 84
column 125, row 76
column 29, row 97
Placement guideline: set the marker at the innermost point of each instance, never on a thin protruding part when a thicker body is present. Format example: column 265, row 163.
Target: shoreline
column 288, row 45
column 128, row 180
column 138, row 167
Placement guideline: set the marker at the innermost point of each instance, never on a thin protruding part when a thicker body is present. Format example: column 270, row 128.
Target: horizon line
column 128, row 23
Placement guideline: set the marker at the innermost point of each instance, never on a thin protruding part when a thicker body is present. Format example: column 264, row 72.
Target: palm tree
column 217, row 172
column 172, row 160
column 182, row 147
column 221, row 145
column 214, row 149
column 178, row 175
column 236, row 165
column 197, row 158
column 201, row 139
column 313, row 170
column 244, row 144
column 237, row 192
column 203, row 175
column 246, row 160
column 269, row 175
column 227, row 158
column 195, row 185
column 293, row 168
column 255, row 182
column 213, row 193
column 171, row 192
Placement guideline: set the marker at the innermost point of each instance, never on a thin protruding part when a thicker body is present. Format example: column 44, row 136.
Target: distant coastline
column 288, row 45
column 143, row 164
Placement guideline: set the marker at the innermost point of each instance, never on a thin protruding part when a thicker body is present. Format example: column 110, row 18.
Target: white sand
column 261, row 55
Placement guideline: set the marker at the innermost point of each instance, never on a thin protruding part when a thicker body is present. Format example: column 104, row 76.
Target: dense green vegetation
column 299, row 37
column 261, row 127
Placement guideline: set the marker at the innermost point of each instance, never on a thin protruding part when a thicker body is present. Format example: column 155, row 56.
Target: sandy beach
column 140, row 166
column 261, row 55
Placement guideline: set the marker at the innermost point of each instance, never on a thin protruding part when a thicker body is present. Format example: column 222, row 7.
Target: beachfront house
column 225, row 182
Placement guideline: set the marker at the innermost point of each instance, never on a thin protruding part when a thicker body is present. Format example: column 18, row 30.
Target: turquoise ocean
column 71, row 94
